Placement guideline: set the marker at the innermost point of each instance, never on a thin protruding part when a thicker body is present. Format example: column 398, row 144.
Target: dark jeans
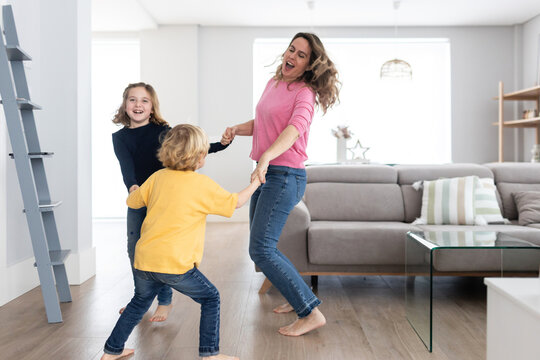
column 147, row 284
column 135, row 218
column 269, row 208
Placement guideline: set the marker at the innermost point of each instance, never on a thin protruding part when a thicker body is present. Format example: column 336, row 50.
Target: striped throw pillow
column 449, row 201
column 486, row 205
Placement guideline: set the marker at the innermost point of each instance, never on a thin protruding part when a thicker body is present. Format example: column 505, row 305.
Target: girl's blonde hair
column 121, row 117
column 321, row 74
column 183, row 146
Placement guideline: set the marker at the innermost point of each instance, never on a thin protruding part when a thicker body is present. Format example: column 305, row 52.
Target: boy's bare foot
column 124, row 355
column 121, row 310
column 161, row 314
column 282, row 309
column 220, row 357
column 304, row 325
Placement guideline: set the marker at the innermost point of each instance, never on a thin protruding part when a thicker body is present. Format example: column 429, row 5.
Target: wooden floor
column 366, row 316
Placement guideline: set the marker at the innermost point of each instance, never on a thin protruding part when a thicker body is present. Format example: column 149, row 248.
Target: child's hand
column 225, row 141
column 256, row 182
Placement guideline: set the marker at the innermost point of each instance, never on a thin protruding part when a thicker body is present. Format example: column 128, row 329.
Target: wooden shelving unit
column 530, row 94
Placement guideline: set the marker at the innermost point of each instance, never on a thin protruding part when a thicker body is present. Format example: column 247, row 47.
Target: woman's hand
column 259, row 174
column 228, row 135
column 133, row 188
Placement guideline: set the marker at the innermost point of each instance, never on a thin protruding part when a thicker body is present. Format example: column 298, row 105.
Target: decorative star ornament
column 359, row 152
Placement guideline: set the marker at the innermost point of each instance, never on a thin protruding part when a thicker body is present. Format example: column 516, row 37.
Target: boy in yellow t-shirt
column 172, row 237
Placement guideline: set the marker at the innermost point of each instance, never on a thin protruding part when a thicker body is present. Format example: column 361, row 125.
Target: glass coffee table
column 458, row 253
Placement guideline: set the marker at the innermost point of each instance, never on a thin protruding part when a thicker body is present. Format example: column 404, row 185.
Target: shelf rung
column 24, row 104
column 36, row 155
column 49, row 206
column 15, row 53
column 57, row 256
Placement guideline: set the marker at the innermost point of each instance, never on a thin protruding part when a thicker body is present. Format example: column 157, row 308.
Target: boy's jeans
column 135, row 218
column 269, row 208
column 193, row 284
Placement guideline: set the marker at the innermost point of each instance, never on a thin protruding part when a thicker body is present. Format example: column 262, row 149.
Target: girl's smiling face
column 139, row 107
column 296, row 59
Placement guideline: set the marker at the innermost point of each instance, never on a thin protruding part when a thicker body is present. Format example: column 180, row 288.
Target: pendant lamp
column 396, row 68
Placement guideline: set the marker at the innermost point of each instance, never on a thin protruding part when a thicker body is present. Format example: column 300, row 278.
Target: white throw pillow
column 486, row 205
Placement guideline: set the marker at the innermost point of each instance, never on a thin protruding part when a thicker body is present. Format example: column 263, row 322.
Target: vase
column 341, row 150
column 535, row 152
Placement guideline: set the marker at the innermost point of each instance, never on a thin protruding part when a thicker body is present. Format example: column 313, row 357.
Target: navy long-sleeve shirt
column 136, row 150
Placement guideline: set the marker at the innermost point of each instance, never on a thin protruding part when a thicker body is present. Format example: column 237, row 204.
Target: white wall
column 57, row 36
column 530, row 66
column 170, row 62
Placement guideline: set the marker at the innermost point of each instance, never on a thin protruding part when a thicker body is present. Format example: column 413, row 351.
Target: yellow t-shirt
column 172, row 234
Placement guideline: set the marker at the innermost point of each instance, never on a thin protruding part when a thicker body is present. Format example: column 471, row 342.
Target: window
column 400, row 121
column 115, row 64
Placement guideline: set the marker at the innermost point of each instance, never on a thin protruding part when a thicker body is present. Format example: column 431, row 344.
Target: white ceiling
column 134, row 15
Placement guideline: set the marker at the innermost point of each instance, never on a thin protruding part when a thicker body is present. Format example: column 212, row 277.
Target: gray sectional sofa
column 354, row 218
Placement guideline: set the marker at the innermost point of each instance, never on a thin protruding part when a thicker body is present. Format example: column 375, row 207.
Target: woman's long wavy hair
column 121, row 117
column 321, row 74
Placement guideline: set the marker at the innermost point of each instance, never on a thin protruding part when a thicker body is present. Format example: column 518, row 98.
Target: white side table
column 513, row 318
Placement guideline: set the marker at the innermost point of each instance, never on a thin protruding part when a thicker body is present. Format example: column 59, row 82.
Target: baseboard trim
column 22, row 277
column 81, row 266
column 17, row 279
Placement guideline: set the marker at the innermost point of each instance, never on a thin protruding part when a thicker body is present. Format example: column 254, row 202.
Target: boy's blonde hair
column 183, row 146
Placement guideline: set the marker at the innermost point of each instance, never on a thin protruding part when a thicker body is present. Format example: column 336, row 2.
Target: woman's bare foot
column 124, row 355
column 304, row 325
column 220, row 357
column 121, row 310
column 161, row 314
column 282, row 309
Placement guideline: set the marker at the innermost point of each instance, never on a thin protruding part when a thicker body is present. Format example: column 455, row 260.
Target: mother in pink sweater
column 305, row 79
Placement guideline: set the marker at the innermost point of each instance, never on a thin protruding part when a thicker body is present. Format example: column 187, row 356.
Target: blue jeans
column 269, row 208
column 135, row 218
column 147, row 284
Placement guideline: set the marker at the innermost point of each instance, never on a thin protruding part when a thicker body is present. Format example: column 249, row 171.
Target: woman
column 305, row 78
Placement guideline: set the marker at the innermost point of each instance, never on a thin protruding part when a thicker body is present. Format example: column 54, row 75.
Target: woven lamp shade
column 396, row 69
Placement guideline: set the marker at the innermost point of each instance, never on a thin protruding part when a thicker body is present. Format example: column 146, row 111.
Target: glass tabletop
column 469, row 239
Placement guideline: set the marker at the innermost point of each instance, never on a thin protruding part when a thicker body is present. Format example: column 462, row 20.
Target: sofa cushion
column 357, row 243
column 354, row 202
column 515, row 172
column 412, row 202
column 528, row 206
column 371, row 174
column 409, row 174
column 509, row 206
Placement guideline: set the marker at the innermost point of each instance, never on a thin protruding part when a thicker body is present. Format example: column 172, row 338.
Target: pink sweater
column 279, row 107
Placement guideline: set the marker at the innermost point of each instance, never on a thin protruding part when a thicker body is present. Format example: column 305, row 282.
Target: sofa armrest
column 293, row 240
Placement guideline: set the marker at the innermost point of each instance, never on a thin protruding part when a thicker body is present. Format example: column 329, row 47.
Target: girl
column 172, row 239
column 306, row 77
column 136, row 146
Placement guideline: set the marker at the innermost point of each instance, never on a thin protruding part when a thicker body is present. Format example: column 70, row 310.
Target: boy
column 172, row 238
